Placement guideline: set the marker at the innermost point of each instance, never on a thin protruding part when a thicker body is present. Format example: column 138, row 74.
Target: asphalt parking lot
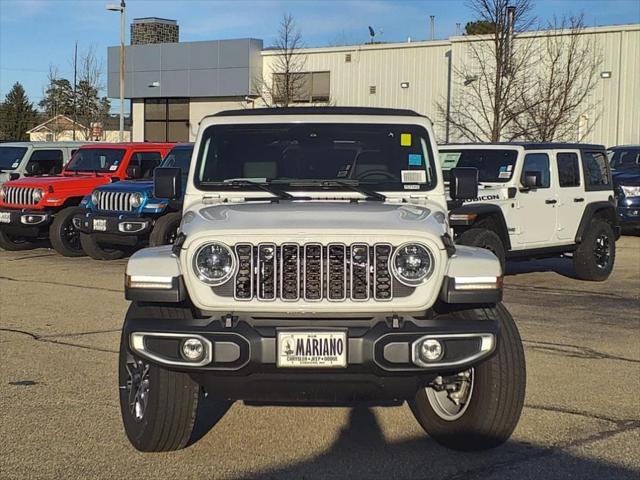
column 59, row 413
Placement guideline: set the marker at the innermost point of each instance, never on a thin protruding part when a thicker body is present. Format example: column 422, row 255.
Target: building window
column 304, row 87
column 166, row 120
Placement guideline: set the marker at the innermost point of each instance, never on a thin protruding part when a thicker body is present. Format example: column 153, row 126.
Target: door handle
column 550, row 202
column 579, row 199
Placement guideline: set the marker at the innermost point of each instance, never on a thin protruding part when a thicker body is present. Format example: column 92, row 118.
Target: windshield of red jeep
column 96, row 160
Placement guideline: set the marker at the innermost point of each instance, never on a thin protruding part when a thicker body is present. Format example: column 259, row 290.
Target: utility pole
column 120, row 8
column 75, row 97
column 433, row 27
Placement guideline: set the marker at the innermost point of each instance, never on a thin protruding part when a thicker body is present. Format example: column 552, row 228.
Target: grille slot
column 114, row 201
column 335, row 272
column 19, row 196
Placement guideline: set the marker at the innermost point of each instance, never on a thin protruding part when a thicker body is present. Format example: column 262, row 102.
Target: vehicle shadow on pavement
column 561, row 266
column 361, row 451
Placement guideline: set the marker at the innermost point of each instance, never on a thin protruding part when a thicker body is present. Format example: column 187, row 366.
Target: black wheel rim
column 137, row 387
column 71, row 236
column 602, row 251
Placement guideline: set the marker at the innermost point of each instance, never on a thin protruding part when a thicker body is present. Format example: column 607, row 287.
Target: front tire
column 13, row 243
column 165, row 230
column 594, row 258
column 483, row 238
column 96, row 251
column 64, row 237
column 489, row 409
column 158, row 406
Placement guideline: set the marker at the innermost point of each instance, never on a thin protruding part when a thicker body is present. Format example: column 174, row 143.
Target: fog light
column 192, row 349
column 431, row 350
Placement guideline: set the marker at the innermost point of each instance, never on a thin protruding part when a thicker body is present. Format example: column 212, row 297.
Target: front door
column 536, row 207
column 571, row 197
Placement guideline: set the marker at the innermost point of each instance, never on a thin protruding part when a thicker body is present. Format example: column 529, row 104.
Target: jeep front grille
column 115, row 201
column 19, row 196
column 313, row 272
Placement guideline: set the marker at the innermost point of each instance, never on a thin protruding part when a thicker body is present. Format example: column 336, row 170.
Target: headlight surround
column 136, row 200
column 2, row 193
column 95, row 197
column 214, row 263
column 37, row 195
column 412, row 264
column 630, row 190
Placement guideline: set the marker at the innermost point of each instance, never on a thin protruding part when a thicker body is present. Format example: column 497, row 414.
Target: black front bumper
column 629, row 212
column 116, row 228
column 242, row 364
column 24, row 222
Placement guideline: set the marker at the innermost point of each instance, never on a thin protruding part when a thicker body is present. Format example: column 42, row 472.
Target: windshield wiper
column 279, row 194
column 355, row 187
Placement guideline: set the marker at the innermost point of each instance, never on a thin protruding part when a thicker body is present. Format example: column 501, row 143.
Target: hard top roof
column 43, row 144
column 531, row 145
column 128, row 145
column 397, row 112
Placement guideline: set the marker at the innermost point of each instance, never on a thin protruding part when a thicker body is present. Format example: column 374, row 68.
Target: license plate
column 5, row 217
column 100, row 224
column 312, row 349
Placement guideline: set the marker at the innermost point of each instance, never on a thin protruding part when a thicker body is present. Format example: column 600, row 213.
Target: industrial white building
column 180, row 83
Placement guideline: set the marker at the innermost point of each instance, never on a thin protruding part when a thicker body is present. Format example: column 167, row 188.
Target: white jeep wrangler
column 538, row 200
column 314, row 265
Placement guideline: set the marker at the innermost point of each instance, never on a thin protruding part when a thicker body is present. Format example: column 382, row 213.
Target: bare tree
column 288, row 82
column 489, row 81
column 563, row 76
column 90, row 108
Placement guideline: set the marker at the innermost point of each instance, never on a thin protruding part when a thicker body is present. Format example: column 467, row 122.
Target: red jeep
column 33, row 208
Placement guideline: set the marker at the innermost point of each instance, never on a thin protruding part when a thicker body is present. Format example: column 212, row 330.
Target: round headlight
column 37, row 195
column 95, row 197
column 136, row 200
column 214, row 263
column 412, row 264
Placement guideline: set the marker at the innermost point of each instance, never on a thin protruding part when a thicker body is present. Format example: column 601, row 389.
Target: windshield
column 494, row 166
column 10, row 157
column 178, row 157
column 624, row 159
column 377, row 156
column 96, row 160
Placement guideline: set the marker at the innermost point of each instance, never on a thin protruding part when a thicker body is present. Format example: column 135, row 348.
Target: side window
column 538, row 162
column 596, row 173
column 568, row 169
column 147, row 161
column 46, row 162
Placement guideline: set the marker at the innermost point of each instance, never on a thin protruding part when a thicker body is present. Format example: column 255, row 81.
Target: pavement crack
column 563, row 291
column 50, row 339
column 62, row 284
column 575, row 351
column 580, row 413
column 80, row 334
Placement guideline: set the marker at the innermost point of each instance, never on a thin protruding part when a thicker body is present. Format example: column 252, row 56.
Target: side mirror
column 463, row 183
column 33, row 169
column 134, row 171
column 167, row 183
column 532, row 179
column 14, row 176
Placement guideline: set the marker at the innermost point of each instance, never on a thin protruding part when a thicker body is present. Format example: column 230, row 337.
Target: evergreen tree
column 58, row 99
column 17, row 114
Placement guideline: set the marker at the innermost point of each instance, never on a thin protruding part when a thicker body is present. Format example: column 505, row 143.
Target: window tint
column 147, row 161
column 624, row 158
column 10, row 157
column 538, row 162
column 493, row 165
column 49, row 161
column 180, row 158
column 595, row 169
column 568, row 169
column 96, row 160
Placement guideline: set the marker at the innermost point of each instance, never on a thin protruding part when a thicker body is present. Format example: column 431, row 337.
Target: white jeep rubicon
column 538, row 200
column 314, row 265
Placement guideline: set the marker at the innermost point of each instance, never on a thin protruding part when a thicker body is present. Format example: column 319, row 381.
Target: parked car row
column 102, row 204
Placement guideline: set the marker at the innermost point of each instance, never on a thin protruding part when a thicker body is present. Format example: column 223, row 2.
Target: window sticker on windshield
column 15, row 164
column 113, row 168
column 415, row 159
column 413, row 176
column 411, row 187
column 449, row 159
column 509, row 168
column 504, row 172
column 344, row 171
column 405, row 139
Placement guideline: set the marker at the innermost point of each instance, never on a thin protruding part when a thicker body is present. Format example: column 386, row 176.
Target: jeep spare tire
column 64, row 237
column 165, row 230
column 481, row 406
column 96, row 251
column 483, row 238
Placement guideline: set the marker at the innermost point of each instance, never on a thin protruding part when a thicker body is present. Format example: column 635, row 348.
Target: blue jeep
column 124, row 215
column 625, row 171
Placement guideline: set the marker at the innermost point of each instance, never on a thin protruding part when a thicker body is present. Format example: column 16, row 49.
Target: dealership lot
column 59, row 333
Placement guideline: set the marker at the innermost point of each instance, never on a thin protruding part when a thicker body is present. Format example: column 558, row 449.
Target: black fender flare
column 483, row 210
column 603, row 208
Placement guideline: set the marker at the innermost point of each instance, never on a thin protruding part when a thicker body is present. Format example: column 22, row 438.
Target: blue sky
column 37, row 33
